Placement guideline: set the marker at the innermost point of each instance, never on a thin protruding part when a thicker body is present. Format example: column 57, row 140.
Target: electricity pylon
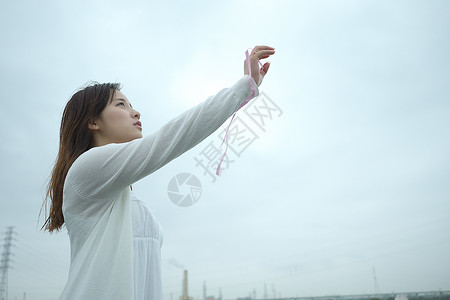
column 375, row 281
column 4, row 263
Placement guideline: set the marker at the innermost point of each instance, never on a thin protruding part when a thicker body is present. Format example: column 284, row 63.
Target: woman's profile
column 115, row 239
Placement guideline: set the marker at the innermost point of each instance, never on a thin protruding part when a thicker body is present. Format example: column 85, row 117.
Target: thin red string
column 252, row 94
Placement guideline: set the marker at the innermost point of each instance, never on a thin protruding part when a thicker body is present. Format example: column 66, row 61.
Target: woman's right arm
column 103, row 172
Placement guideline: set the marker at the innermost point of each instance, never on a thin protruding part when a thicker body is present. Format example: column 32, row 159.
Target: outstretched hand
column 259, row 52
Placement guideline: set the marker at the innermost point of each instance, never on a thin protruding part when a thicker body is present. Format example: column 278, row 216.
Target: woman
column 115, row 239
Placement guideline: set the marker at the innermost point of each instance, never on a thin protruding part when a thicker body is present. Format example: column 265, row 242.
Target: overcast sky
column 350, row 176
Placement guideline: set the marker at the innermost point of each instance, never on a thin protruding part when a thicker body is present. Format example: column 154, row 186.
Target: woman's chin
column 139, row 136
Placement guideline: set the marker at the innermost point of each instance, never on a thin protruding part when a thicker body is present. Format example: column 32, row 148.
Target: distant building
column 401, row 297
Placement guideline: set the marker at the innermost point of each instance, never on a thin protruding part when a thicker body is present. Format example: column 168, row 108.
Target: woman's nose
column 137, row 114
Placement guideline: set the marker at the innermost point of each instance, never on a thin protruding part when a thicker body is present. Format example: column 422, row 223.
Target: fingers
column 258, row 48
column 265, row 68
column 262, row 52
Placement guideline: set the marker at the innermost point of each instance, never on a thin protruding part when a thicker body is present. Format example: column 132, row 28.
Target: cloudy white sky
column 352, row 177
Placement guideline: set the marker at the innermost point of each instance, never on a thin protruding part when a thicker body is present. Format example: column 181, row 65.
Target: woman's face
column 118, row 122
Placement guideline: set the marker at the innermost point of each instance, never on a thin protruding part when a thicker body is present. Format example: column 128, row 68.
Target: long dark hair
column 74, row 139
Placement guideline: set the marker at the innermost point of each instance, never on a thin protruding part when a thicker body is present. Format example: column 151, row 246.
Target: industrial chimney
column 185, row 288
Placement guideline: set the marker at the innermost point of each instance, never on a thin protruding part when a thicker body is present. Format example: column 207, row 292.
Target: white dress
column 147, row 242
column 115, row 239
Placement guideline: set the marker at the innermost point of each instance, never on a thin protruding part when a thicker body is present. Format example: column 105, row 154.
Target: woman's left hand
column 259, row 52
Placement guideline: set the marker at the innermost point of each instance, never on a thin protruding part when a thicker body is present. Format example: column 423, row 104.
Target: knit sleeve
column 103, row 172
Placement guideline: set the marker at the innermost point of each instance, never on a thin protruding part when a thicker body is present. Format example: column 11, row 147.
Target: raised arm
column 103, row 172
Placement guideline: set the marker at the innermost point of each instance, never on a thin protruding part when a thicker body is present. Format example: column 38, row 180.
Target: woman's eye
column 121, row 103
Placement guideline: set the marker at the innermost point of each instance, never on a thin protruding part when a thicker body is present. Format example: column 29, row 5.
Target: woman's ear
column 93, row 125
